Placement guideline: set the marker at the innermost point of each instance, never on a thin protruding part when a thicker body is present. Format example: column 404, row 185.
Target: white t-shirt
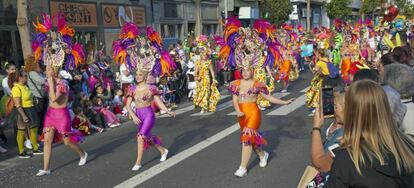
column 371, row 42
column 123, row 77
column 5, row 86
column 408, row 121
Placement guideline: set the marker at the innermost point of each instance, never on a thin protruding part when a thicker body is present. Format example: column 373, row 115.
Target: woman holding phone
column 373, row 151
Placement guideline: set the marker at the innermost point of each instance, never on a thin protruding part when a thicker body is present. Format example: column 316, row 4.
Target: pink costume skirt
column 109, row 116
column 58, row 119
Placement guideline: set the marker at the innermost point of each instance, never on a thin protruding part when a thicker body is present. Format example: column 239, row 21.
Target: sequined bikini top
column 249, row 95
column 61, row 87
column 144, row 99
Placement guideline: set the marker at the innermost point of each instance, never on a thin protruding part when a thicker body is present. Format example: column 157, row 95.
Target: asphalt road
column 204, row 150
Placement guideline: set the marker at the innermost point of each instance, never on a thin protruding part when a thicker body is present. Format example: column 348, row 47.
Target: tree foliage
column 401, row 4
column 409, row 11
column 405, row 8
column 276, row 11
column 339, row 9
column 369, row 6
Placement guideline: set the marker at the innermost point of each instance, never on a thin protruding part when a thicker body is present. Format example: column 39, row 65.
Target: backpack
column 333, row 70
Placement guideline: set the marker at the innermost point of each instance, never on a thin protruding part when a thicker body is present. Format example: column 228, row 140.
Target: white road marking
column 159, row 168
column 285, row 110
column 187, row 109
column 219, row 108
column 278, row 95
column 304, row 90
column 179, row 111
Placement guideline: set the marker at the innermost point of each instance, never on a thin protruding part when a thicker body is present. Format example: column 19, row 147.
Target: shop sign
column 77, row 14
column 116, row 15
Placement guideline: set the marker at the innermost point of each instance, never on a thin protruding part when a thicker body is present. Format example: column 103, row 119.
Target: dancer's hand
column 290, row 100
column 240, row 114
column 136, row 120
column 171, row 113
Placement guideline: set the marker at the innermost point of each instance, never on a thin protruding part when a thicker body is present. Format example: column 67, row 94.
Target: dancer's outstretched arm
column 161, row 105
column 275, row 100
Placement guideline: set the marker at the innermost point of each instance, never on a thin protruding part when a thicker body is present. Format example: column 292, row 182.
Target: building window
column 168, row 31
column 208, row 29
column 170, row 10
column 316, row 16
column 8, row 12
column 87, row 39
column 191, row 27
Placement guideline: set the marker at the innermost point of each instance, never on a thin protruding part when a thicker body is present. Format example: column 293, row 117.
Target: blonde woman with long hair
column 374, row 153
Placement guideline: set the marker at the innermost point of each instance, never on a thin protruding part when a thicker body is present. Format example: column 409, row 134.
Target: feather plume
column 78, row 53
column 154, row 37
column 45, row 26
column 219, row 40
column 61, row 21
column 129, row 30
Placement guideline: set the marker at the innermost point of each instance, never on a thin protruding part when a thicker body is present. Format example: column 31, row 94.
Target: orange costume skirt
column 345, row 68
column 284, row 70
column 250, row 124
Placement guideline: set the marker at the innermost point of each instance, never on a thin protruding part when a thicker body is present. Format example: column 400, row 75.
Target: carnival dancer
column 325, row 72
column 245, row 91
column 284, row 70
column 143, row 94
column 150, row 59
column 60, row 54
column 263, row 72
column 206, row 93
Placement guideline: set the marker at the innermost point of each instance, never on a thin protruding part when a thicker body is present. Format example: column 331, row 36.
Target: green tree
column 338, row 9
column 405, row 8
column 401, row 4
column 276, row 11
column 409, row 11
column 369, row 6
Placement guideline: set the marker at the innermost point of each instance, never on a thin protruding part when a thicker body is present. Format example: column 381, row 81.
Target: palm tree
column 198, row 26
column 23, row 26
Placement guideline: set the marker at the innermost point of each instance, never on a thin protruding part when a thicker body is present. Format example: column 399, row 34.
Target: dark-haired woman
column 24, row 115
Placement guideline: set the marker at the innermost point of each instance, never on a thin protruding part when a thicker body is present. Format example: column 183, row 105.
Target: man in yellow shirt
column 321, row 65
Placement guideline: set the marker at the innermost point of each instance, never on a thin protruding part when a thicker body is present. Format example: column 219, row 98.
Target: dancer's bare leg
column 160, row 149
column 47, row 148
column 246, row 153
column 75, row 147
column 140, row 150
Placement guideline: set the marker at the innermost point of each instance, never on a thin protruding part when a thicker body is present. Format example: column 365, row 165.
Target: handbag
column 308, row 177
column 9, row 106
column 37, row 89
column 38, row 102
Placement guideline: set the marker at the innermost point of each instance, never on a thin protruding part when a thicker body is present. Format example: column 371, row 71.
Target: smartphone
column 328, row 102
